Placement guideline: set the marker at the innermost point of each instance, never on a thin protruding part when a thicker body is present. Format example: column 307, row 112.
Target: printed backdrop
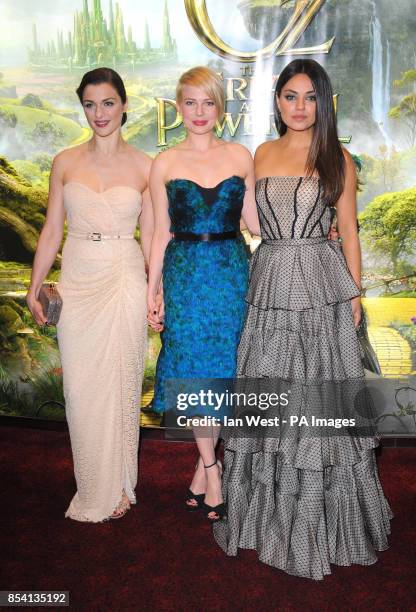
column 368, row 48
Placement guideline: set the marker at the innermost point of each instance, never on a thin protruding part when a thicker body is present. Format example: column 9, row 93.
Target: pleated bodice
column 296, row 267
column 113, row 211
column 292, row 207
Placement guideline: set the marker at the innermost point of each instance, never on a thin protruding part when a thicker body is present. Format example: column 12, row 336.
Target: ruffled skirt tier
column 303, row 497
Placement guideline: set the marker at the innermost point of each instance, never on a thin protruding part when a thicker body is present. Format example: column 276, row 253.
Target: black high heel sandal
column 199, row 498
column 219, row 510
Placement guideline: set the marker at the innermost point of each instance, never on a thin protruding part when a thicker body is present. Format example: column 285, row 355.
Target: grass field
column 28, row 117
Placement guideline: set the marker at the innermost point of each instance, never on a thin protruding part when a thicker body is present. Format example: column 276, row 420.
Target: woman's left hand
column 356, row 310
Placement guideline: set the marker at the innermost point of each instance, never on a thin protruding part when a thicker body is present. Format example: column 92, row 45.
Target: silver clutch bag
column 51, row 302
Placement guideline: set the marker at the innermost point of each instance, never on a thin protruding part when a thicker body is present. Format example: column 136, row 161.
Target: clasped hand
column 156, row 306
column 156, row 312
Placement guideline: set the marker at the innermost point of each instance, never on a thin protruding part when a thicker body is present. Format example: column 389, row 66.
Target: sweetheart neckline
column 105, row 190
column 201, row 186
column 295, row 176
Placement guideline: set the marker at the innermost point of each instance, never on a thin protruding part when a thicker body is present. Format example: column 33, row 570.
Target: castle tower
column 130, row 43
column 35, row 39
column 111, row 26
column 111, row 30
column 79, row 48
column 85, row 12
column 120, row 36
column 98, row 14
column 70, row 48
column 167, row 43
column 147, row 45
column 98, row 19
column 85, row 18
column 60, row 44
column 84, row 26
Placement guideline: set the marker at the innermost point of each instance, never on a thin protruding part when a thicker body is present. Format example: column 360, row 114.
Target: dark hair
column 104, row 75
column 325, row 154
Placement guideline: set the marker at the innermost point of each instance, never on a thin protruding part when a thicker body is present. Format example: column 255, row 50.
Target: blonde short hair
column 206, row 79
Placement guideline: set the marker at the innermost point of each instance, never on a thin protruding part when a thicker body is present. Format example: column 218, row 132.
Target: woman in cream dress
column 101, row 189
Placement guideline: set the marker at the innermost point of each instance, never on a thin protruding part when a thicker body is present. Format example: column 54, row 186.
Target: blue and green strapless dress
column 204, row 285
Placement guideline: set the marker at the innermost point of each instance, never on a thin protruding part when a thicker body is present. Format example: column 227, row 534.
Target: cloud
column 25, row 10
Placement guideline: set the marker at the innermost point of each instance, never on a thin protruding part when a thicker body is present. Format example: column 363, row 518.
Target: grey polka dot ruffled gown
column 302, row 497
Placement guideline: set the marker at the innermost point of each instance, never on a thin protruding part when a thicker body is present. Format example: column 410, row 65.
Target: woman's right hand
column 155, row 312
column 333, row 233
column 160, row 305
column 50, row 237
column 35, row 308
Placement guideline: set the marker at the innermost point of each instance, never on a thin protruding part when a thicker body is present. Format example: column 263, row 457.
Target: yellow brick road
column 393, row 351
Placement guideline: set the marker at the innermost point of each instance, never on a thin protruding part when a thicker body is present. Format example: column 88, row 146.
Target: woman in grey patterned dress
column 304, row 496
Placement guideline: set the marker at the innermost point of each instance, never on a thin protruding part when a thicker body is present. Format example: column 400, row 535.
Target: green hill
column 45, row 105
column 22, row 210
column 28, row 117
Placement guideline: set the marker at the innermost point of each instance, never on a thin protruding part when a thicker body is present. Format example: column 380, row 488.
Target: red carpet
column 161, row 558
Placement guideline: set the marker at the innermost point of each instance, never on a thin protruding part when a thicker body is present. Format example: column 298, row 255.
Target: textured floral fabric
column 204, row 286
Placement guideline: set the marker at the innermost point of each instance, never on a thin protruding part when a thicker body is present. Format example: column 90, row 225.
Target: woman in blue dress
column 200, row 190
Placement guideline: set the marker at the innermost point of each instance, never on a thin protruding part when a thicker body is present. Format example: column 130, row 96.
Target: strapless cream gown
column 102, row 336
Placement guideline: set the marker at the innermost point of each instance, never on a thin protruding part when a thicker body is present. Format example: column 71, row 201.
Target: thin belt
column 97, row 236
column 208, row 237
column 295, row 241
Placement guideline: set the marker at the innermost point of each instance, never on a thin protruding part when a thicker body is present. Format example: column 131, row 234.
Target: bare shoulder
column 264, row 149
column 66, row 158
column 142, row 160
column 164, row 158
column 68, row 155
column 162, row 161
column 348, row 159
column 241, row 157
column 138, row 155
column 350, row 167
column 238, row 150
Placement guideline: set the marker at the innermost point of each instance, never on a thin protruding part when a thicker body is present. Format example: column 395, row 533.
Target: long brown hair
column 325, row 154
